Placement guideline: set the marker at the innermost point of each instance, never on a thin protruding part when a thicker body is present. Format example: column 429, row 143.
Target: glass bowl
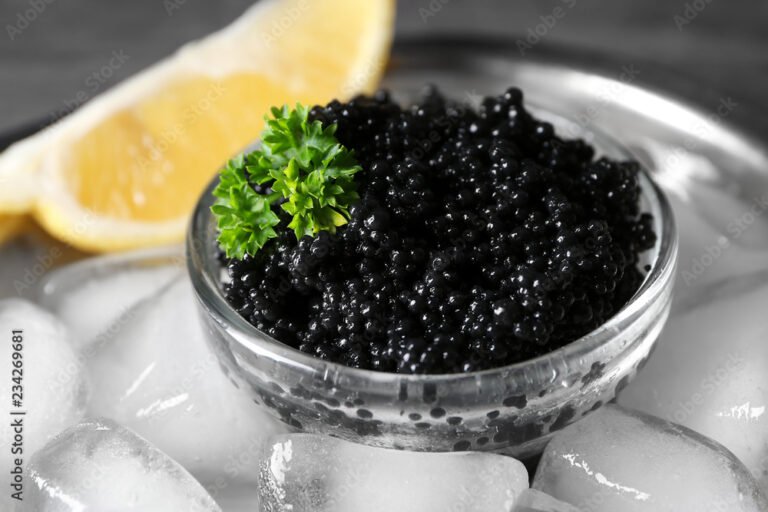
column 513, row 409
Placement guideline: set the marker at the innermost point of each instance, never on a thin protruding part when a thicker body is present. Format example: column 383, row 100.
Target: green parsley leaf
column 304, row 171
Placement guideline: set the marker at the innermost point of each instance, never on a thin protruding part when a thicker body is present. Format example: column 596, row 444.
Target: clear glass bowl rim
column 656, row 280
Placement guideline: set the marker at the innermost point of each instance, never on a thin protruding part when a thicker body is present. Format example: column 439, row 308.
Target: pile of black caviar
column 480, row 239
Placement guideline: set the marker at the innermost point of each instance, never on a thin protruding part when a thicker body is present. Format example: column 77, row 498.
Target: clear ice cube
column 615, row 459
column 99, row 466
column 710, row 374
column 305, row 472
column 52, row 384
column 159, row 377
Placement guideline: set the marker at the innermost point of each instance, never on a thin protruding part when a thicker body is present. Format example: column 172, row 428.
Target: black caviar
column 480, row 239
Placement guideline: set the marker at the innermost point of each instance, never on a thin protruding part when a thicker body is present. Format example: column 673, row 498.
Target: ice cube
column 532, row 500
column 306, row 472
column 48, row 381
column 100, row 466
column 616, row 459
column 91, row 295
column 709, row 371
column 159, row 377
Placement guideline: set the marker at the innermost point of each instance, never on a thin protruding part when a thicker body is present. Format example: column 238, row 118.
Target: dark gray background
column 50, row 63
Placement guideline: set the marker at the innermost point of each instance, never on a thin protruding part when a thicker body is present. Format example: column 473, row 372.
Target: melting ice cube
column 314, row 473
column 48, row 383
column 100, row 466
column 158, row 377
column 616, row 459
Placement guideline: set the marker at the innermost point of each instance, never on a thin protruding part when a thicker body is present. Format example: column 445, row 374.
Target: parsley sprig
column 301, row 168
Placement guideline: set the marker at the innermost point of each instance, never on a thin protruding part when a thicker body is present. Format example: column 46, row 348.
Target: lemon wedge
column 125, row 170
